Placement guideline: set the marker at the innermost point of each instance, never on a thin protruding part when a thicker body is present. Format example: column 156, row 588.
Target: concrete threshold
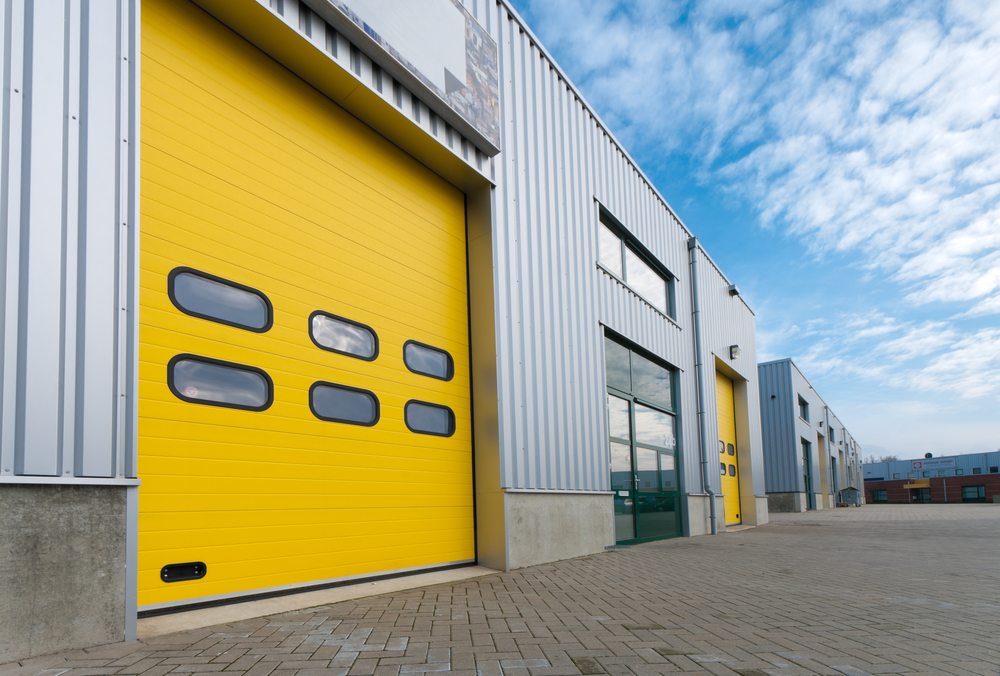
column 234, row 612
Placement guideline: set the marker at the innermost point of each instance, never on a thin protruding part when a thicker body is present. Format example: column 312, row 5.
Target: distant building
column 974, row 477
column 811, row 461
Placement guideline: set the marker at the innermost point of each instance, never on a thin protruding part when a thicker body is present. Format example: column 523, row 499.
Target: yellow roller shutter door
column 251, row 176
column 729, row 466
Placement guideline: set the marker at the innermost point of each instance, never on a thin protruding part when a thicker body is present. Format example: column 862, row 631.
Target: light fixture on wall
column 734, row 351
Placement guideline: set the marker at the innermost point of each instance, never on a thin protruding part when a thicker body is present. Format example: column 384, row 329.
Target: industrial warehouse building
column 298, row 292
column 973, row 477
column 811, row 461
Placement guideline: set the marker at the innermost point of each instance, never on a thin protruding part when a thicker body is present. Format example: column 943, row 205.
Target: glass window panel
column 611, row 250
column 645, row 281
column 654, row 427
column 621, row 466
column 668, row 472
column 657, row 515
column 730, row 450
column 651, row 382
column 216, row 299
column 339, row 403
column 722, row 447
column 428, row 361
column 618, row 417
column 732, row 470
column 722, row 468
column 424, row 418
column 624, row 517
column 207, row 381
column 343, row 336
column 617, row 360
column 645, row 469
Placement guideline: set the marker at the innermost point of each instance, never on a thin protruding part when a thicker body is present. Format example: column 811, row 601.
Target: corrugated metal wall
column 68, row 168
column 783, row 429
column 558, row 164
column 726, row 321
column 781, row 446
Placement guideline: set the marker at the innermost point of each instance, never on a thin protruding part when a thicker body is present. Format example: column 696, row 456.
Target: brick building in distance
column 974, row 477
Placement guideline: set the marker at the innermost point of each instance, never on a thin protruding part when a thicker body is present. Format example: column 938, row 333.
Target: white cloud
column 864, row 127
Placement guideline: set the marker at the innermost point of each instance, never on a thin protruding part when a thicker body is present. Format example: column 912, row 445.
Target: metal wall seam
column 13, row 116
column 61, row 171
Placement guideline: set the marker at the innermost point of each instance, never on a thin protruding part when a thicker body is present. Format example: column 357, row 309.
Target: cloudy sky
column 841, row 161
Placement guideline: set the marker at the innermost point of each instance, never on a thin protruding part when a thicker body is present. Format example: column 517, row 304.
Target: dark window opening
column 428, row 361
column 343, row 404
column 206, row 296
column 426, row 418
column 202, row 380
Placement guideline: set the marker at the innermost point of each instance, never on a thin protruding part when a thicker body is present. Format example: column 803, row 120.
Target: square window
column 977, row 470
column 803, row 409
column 973, row 493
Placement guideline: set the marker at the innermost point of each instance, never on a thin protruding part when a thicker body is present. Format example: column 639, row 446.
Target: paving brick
column 828, row 592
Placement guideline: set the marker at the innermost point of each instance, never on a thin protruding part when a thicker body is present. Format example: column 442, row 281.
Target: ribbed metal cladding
column 68, row 200
column 558, row 165
column 781, row 465
column 784, row 429
column 727, row 321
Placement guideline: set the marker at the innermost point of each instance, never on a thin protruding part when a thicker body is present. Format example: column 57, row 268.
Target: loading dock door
column 729, row 466
column 289, row 258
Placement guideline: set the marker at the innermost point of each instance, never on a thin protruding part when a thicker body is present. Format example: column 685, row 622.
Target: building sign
column 441, row 45
column 932, row 464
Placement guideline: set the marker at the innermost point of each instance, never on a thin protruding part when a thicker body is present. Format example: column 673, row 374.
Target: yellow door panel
column 729, row 466
column 252, row 176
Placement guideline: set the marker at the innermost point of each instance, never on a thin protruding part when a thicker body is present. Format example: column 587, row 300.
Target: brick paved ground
column 881, row 589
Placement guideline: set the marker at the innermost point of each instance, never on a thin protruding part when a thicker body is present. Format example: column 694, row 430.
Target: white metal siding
column 783, row 430
column 67, row 226
column 726, row 321
column 557, row 164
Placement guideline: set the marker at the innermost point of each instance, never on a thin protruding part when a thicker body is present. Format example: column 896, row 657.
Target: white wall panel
column 558, row 164
column 67, row 167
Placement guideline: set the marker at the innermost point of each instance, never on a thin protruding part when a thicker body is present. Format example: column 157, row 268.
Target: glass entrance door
column 643, row 447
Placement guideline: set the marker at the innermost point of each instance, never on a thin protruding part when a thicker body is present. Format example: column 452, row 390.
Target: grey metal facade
column 558, row 166
column 783, row 430
column 68, row 193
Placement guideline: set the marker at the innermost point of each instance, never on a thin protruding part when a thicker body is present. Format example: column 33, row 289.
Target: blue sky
column 841, row 161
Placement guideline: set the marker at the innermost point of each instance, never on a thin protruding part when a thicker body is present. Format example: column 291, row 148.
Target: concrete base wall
column 62, row 568
column 700, row 516
column 544, row 527
column 786, row 502
column 763, row 511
